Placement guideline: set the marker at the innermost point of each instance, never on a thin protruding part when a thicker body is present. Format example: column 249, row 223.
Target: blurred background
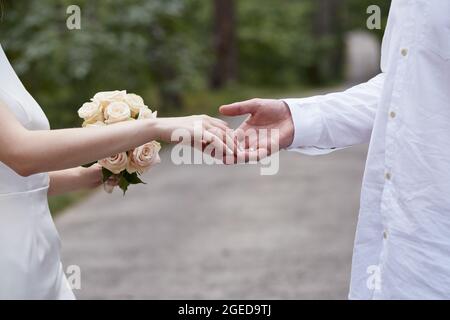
column 203, row 232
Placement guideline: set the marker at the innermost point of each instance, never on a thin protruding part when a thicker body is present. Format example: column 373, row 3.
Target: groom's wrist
column 288, row 129
column 307, row 121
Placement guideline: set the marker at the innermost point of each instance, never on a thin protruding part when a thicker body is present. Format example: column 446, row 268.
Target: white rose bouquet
column 110, row 107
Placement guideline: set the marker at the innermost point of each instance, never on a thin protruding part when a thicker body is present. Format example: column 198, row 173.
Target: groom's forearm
column 336, row 120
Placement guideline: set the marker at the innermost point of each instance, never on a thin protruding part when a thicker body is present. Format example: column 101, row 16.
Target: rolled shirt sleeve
column 337, row 120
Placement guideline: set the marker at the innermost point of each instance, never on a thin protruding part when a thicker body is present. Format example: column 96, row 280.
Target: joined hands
column 268, row 129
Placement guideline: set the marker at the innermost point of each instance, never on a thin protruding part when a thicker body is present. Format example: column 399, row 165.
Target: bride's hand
column 75, row 179
column 89, row 178
column 201, row 129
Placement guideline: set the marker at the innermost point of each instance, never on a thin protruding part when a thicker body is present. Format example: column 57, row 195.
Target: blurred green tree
column 129, row 44
column 164, row 49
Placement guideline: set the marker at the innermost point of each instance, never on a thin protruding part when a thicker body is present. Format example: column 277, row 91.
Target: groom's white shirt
column 402, row 245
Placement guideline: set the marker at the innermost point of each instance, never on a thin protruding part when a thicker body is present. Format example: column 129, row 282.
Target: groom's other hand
column 266, row 114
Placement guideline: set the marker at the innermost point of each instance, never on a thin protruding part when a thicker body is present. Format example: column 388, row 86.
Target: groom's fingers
column 239, row 136
column 239, row 108
column 218, row 141
column 226, row 139
column 255, row 155
column 247, row 139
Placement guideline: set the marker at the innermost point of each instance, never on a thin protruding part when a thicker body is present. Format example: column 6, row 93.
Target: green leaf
column 89, row 164
column 132, row 178
column 123, row 184
column 106, row 174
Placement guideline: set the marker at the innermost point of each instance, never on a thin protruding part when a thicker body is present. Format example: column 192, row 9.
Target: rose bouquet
column 110, row 107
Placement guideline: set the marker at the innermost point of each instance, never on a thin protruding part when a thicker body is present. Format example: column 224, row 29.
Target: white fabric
column 402, row 245
column 30, row 266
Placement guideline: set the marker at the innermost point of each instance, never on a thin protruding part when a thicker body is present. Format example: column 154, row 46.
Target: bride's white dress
column 30, row 266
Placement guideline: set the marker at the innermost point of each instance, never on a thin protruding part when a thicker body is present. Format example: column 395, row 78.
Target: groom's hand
column 264, row 114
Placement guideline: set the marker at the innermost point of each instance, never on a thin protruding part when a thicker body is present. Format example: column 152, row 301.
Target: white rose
column 95, row 124
column 116, row 164
column 144, row 157
column 117, row 112
column 110, row 96
column 135, row 103
column 106, row 97
column 146, row 113
column 90, row 110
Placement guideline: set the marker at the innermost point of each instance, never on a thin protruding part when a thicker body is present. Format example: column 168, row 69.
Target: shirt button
column 388, row 176
column 404, row 52
column 392, row 114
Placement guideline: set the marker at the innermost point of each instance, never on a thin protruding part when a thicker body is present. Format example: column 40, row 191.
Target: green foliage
column 126, row 179
column 275, row 41
column 130, row 44
column 106, row 174
column 162, row 49
column 59, row 203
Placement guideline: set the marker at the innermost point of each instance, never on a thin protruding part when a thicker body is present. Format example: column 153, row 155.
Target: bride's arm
column 69, row 180
column 29, row 152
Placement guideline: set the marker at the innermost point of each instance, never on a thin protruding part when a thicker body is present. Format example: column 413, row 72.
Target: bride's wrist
column 160, row 129
column 153, row 129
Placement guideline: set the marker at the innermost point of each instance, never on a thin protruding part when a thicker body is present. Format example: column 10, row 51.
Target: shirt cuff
column 307, row 122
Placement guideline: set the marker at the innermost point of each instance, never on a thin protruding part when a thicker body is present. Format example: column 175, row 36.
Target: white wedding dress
column 30, row 266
